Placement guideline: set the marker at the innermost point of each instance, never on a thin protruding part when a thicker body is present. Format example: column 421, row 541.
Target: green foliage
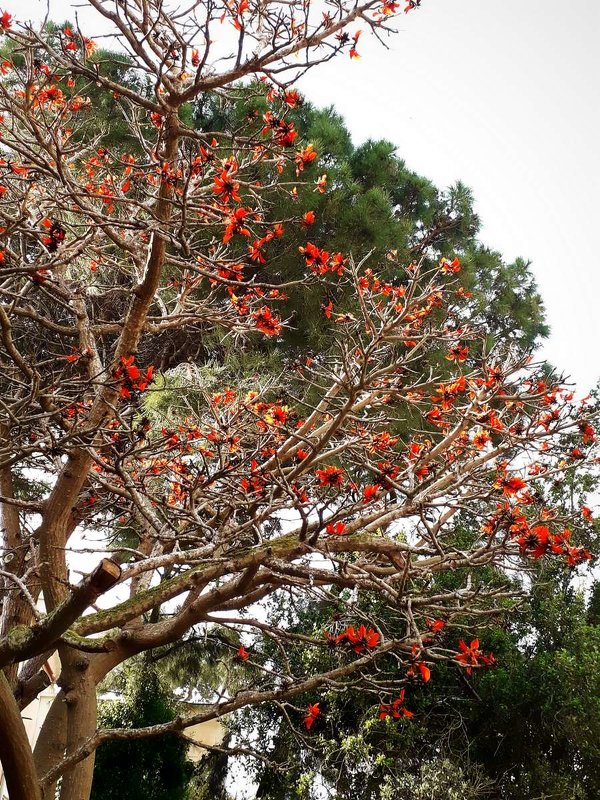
column 154, row 768
column 376, row 205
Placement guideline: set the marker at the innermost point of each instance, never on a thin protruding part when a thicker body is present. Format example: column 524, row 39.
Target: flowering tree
column 301, row 486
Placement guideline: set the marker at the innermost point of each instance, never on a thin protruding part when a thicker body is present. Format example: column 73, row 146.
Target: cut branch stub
column 23, row 641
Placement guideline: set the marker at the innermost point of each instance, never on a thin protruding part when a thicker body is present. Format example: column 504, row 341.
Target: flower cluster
column 359, row 640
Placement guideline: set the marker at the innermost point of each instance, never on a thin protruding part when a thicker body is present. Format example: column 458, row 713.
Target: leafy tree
column 138, row 769
column 342, row 483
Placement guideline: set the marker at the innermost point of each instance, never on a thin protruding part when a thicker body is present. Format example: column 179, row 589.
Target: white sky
column 505, row 96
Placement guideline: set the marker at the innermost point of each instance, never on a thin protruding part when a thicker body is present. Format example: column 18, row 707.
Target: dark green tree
column 142, row 769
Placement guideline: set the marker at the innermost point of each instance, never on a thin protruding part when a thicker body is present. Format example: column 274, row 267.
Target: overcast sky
column 503, row 95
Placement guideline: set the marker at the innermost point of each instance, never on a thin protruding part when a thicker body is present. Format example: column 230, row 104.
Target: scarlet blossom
column 40, row 276
column 411, row 5
column 457, row 353
column 395, row 709
column 491, row 420
column 256, row 252
column 330, row 476
column 130, row 377
column 312, row 712
column 283, row 132
column 315, row 258
column 353, row 52
column 382, row 441
column 536, row 540
column 320, row 261
column 480, row 439
column 235, row 224
column 361, row 639
column 448, row 266
column 335, row 529
column 226, row 187
column 446, row 393
column 56, row 235
column 587, row 431
column 267, row 322
column 308, row 218
column 435, row 417
column 577, row 555
column 435, row 625
column 389, row 7
column 76, row 354
column 242, row 654
column 471, row 656
column 389, row 472
column 292, row 98
column 304, row 157
column 5, row 21
column 509, row 485
column 321, row 184
column 586, row 513
column 277, row 415
column 328, row 309
column 371, row 492
column 131, row 371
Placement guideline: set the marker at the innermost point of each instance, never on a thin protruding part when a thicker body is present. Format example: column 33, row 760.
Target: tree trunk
column 79, row 687
column 51, row 742
column 15, row 751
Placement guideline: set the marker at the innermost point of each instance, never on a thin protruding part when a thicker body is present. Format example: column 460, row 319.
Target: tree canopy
column 308, row 440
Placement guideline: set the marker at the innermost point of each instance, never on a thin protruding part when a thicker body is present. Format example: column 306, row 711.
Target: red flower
column 131, row 378
column 587, row 431
column 388, row 8
column 226, row 187
column 330, row 476
column 328, row 309
column 235, row 224
column 447, row 266
column 360, row 639
column 308, row 218
column 370, row 492
column 395, row 709
column 5, row 21
column 335, row 529
column 242, row 654
column 321, row 184
column 537, row 540
column 312, row 712
column 457, row 353
column 577, row 555
column 435, row 625
column 471, row 656
column 129, row 368
column 315, row 258
column 304, row 157
column 509, row 485
column 267, row 322
column 292, row 98
column 353, row 51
